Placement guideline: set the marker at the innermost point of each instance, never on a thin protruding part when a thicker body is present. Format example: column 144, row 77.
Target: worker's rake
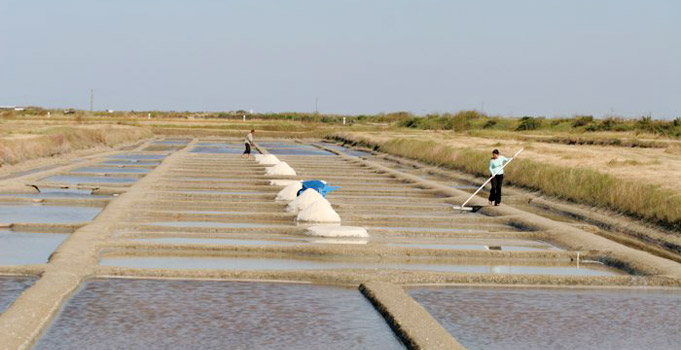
column 475, row 208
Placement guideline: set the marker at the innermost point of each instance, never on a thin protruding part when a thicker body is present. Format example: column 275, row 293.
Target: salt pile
column 319, row 211
column 281, row 169
column 337, row 231
column 283, row 183
column 266, row 159
column 305, row 200
column 350, row 240
column 290, row 192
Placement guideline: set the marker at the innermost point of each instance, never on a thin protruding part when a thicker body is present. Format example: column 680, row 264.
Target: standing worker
column 248, row 142
column 495, row 168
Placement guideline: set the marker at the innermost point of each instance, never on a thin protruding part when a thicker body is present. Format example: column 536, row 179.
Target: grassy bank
column 581, row 185
column 47, row 142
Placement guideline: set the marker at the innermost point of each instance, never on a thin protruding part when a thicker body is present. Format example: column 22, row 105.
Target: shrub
column 645, row 124
column 458, row 122
column 529, row 123
column 490, row 123
column 556, row 122
column 582, row 120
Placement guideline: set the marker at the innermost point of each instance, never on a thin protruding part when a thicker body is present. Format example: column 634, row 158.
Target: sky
column 522, row 57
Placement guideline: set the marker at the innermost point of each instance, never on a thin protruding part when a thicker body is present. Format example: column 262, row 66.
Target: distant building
column 12, row 108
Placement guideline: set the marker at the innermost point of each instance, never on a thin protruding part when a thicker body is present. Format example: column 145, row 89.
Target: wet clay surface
column 145, row 314
column 556, row 319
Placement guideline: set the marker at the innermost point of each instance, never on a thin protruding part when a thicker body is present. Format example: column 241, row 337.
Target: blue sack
column 319, row 186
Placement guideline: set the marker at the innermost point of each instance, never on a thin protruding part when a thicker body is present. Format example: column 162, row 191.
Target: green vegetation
column 581, row 185
column 473, row 120
column 458, row 122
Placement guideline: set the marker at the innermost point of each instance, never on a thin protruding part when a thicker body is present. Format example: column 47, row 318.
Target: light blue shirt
column 496, row 164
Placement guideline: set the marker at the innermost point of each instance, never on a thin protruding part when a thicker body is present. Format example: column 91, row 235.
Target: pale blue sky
column 521, row 57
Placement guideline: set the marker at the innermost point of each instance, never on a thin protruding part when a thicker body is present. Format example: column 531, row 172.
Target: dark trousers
column 248, row 149
column 495, row 193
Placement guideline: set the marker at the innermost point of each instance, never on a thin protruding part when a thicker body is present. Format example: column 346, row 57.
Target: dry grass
column 59, row 140
column 674, row 149
column 581, row 185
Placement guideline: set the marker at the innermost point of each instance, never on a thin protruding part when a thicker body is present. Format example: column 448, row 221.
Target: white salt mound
column 305, row 200
column 289, row 192
column 319, row 211
column 267, row 159
column 283, row 183
column 342, row 240
column 281, row 169
column 337, row 231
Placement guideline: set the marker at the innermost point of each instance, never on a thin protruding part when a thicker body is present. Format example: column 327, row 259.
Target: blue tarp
column 319, row 186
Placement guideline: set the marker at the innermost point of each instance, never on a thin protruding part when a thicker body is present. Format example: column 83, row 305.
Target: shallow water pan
column 46, row 214
column 146, row 314
column 111, row 170
column 218, row 144
column 300, row 151
column 11, row 287
column 75, row 179
column 511, row 319
column 347, row 151
column 224, row 150
column 138, row 156
column 129, row 162
column 275, row 144
column 23, row 248
column 46, row 192
column 529, row 247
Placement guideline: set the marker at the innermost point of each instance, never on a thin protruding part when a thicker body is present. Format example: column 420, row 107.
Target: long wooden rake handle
column 491, row 177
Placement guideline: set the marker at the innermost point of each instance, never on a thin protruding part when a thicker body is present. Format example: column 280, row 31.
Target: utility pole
column 316, row 110
column 92, row 99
